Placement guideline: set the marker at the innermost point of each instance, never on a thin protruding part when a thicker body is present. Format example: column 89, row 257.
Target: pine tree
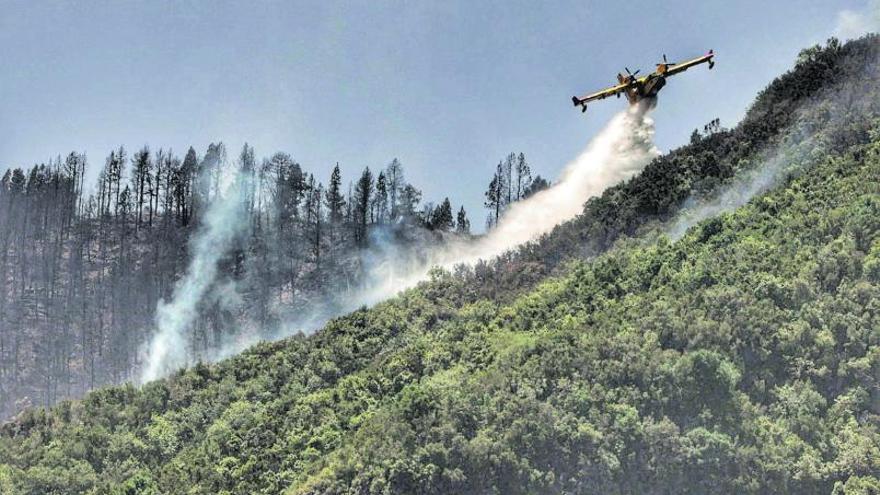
column 507, row 190
column 523, row 176
column 289, row 190
column 334, row 200
column 495, row 196
column 362, row 195
column 442, row 219
column 313, row 214
column 410, row 197
column 537, row 184
column 140, row 179
column 318, row 218
column 396, row 184
column 380, row 199
column 247, row 165
column 211, row 169
column 115, row 166
column 159, row 166
column 462, row 224
column 184, row 187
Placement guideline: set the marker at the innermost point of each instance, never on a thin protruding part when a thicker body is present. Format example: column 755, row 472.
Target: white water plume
column 617, row 153
column 620, row 150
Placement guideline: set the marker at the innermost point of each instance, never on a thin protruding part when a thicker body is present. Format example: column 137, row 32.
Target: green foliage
column 741, row 358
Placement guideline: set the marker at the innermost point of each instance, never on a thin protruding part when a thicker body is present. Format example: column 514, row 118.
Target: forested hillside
column 607, row 357
column 82, row 269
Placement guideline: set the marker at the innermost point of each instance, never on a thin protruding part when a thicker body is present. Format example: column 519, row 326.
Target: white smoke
column 814, row 124
column 854, row 23
column 746, row 186
column 223, row 221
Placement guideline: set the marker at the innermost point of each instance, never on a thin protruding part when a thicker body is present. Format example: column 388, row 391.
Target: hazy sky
column 447, row 87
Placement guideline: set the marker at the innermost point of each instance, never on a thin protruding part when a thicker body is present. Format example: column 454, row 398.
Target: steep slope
column 89, row 276
column 740, row 358
column 826, row 83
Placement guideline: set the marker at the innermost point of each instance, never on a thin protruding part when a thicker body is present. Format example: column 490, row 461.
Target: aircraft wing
column 674, row 69
column 598, row 95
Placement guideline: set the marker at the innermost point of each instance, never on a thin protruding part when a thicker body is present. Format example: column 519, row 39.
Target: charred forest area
column 84, row 265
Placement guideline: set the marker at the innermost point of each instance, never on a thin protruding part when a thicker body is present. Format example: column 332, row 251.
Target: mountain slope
column 787, row 106
column 740, row 358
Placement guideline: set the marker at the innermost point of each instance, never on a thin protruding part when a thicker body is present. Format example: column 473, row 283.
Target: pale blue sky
column 448, row 87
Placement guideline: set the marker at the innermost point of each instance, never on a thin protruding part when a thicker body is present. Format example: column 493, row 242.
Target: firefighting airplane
column 639, row 88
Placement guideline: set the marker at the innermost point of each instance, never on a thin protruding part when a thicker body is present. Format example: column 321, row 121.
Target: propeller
column 632, row 74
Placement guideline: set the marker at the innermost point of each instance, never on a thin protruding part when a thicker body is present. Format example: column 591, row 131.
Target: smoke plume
column 222, row 222
column 828, row 122
column 746, row 186
column 854, row 23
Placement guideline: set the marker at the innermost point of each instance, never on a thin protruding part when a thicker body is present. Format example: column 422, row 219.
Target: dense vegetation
column 741, row 357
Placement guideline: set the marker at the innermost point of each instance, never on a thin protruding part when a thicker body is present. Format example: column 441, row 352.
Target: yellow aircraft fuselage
column 637, row 89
